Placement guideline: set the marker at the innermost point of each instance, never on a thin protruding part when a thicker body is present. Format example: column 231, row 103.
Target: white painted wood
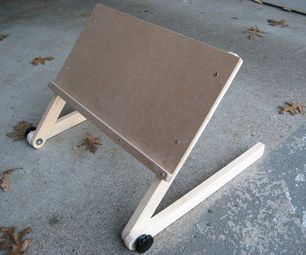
column 50, row 125
column 47, row 121
column 173, row 212
column 68, row 121
column 147, row 205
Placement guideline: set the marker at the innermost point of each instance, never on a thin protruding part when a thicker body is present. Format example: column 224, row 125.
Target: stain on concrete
column 54, row 220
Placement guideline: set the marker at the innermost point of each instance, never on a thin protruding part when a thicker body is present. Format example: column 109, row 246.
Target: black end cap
column 143, row 243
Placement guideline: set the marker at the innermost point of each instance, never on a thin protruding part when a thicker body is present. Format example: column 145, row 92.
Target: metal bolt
column 162, row 174
column 39, row 141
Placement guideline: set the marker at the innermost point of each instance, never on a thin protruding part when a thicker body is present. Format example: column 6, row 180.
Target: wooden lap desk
column 153, row 91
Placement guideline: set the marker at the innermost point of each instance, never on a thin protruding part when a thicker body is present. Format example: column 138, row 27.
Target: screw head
column 39, row 141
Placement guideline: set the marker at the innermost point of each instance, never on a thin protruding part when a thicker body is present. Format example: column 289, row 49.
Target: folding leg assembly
column 50, row 125
column 138, row 233
column 142, row 227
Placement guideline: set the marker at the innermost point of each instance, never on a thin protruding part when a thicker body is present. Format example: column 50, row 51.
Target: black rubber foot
column 143, row 243
column 28, row 131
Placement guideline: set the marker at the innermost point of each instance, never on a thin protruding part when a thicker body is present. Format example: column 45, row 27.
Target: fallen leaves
column 15, row 241
column 4, row 180
column 281, row 23
column 40, row 60
column 3, row 36
column 90, row 142
column 20, row 130
column 292, row 108
column 253, row 32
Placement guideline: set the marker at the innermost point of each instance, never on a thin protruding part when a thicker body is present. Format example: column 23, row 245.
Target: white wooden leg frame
column 142, row 221
column 50, row 125
column 142, row 227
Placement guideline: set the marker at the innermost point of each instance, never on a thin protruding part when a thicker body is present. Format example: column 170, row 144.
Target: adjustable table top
column 150, row 89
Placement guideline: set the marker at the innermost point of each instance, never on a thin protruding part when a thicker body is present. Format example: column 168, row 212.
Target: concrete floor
column 78, row 203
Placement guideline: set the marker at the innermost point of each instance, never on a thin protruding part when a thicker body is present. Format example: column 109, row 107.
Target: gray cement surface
column 78, row 203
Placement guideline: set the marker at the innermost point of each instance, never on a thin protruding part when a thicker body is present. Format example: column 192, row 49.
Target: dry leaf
column 19, row 131
column 40, row 60
column 258, row 1
column 90, row 143
column 14, row 241
column 3, row 36
column 253, row 32
column 281, row 23
column 4, row 179
column 293, row 108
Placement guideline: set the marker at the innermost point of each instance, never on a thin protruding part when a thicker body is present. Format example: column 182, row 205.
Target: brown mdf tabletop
column 150, row 89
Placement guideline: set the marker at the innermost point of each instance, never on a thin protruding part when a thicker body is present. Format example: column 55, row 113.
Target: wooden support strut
column 142, row 223
column 50, row 125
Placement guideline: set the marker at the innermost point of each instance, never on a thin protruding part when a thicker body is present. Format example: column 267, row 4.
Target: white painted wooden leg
column 147, row 205
column 50, row 125
column 38, row 137
column 173, row 212
column 68, row 121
